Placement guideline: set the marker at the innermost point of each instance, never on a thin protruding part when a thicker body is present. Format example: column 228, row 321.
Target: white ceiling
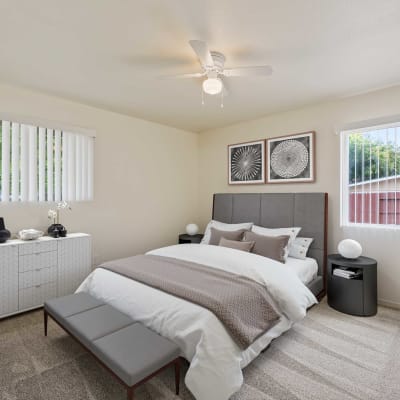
column 110, row 53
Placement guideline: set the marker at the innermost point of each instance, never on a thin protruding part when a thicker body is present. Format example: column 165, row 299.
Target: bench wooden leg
column 130, row 394
column 45, row 320
column 177, row 375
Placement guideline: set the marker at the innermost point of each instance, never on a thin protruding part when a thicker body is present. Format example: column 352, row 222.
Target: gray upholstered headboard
column 279, row 210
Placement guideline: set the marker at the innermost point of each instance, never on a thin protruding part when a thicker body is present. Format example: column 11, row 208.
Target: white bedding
column 216, row 362
column 306, row 269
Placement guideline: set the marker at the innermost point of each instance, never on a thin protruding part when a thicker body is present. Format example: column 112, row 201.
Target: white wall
column 325, row 119
column 145, row 193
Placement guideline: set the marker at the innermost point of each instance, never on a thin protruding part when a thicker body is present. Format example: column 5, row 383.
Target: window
column 370, row 171
column 43, row 164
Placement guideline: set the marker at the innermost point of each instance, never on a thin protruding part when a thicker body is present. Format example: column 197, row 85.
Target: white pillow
column 291, row 232
column 299, row 247
column 223, row 227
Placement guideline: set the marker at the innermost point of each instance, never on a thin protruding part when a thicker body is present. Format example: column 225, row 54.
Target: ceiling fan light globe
column 212, row 86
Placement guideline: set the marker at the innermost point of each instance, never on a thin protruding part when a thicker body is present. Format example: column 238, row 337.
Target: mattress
column 306, row 270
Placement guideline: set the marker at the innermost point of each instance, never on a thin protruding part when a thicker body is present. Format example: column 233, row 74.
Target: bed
column 216, row 361
column 275, row 210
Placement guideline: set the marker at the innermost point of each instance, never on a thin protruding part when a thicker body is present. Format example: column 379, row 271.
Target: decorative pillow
column 291, row 232
column 299, row 247
column 268, row 246
column 234, row 244
column 216, row 235
column 223, row 227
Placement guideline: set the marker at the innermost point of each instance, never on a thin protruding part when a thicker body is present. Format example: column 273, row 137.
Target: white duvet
column 216, row 362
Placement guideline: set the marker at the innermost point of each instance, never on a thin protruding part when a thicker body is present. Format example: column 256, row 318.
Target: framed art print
column 290, row 159
column 246, row 163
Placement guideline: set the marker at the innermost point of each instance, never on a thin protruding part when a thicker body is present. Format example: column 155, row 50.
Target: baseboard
column 388, row 303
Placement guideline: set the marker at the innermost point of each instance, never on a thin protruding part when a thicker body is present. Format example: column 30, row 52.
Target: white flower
column 62, row 205
column 52, row 214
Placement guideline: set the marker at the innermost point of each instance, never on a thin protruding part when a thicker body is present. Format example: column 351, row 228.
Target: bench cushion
column 96, row 323
column 135, row 352
column 66, row 306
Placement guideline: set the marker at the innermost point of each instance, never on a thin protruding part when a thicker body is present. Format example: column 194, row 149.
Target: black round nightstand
column 355, row 296
column 185, row 238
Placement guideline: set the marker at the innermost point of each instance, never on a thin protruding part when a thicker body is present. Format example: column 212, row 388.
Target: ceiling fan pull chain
column 202, row 97
column 222, row 98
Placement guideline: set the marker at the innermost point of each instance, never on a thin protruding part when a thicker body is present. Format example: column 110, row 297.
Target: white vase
column 349, row 248
column 192, row 229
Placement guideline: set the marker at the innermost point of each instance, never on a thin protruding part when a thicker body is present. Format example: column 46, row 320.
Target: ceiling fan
column 213, row 68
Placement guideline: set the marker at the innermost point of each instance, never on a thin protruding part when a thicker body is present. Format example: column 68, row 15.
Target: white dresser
column 32, row 272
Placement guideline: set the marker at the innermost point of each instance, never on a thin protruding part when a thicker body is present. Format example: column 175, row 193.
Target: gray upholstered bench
column 129, row 350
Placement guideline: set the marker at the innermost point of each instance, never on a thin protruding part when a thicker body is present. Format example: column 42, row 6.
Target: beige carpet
column 329, row 356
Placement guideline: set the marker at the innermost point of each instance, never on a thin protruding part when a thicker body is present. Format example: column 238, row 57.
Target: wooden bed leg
column 45, row 320
column 177, row 375
column 130, row 394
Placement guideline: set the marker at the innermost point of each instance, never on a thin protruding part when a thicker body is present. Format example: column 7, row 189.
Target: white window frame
column 344, row 171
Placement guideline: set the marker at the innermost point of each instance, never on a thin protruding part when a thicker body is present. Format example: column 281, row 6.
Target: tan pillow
column 234, row 244
column 268, row 246
column 216, row 235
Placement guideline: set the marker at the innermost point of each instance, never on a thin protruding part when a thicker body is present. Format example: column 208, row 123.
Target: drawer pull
column 38, row 286
column 38, row 269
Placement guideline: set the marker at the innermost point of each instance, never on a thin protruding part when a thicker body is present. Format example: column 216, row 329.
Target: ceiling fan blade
column 264, row 70
column 203, row 53
column 184, row 76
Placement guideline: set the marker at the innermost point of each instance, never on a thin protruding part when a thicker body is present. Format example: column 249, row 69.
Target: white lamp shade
column 212, row 86
column 349, row 248
column 192, row 229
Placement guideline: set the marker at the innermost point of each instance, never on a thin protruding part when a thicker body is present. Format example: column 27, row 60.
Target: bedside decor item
column 30, row 234
column 192, row 229
column 349, row 248
column 4, row 233
column 290, row 159
column 352, row 285
column 56, row 229
column 246, row 163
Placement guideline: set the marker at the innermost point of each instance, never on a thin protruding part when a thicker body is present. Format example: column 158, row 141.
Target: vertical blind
column 41, row 164
column 371, row 171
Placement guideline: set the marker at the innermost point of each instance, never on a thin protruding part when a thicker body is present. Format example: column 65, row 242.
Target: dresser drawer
column 37, row 277
column 36, row 295
column 37, row 247
column 30, row 262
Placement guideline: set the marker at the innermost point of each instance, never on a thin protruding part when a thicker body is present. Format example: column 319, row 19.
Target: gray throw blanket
column 241, row 304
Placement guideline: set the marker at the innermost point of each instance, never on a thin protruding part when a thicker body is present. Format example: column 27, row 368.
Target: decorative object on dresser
column 4, row 233
column 352, row 285
column 349, row 248
column 33, row 272
column 30, row 234
column 192, row 229
column 246, row 163
column 185, row 238
column 291, row 159
column 56, row 230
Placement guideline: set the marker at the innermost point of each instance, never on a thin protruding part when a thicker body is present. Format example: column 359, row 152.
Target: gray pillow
column 234, row 244
column 268, row 246
column 216, row 235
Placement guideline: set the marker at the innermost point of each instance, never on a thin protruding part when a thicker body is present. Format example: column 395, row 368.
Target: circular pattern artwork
column 246, row 163
column 289, row 158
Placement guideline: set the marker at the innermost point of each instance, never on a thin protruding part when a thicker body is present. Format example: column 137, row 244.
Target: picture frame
column 246, row 163
column 291, row 158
